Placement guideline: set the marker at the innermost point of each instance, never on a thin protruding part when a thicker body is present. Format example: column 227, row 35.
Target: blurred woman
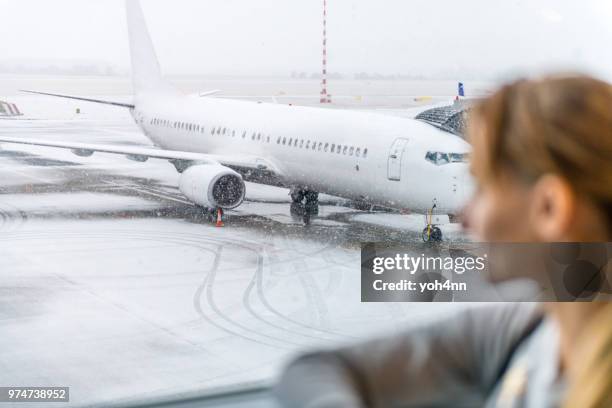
column 542, row 158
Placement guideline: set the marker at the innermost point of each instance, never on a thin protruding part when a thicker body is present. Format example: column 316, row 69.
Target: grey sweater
column 502, row 355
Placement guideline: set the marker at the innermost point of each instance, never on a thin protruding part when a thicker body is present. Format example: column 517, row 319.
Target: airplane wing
column 78, row 98
column 252, row 168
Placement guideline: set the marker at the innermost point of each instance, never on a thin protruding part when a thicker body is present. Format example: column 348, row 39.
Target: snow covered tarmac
column 116, row 286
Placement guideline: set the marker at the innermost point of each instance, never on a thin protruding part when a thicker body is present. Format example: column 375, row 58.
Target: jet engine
column 213, row 186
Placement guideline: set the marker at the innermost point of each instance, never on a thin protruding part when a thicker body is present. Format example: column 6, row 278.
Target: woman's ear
column 552, row 209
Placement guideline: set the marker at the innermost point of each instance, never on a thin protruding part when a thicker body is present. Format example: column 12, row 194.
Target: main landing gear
column 304, row 204
column 431, row 233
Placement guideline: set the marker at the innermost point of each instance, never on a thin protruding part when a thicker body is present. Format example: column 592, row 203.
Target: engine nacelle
column 213, row 186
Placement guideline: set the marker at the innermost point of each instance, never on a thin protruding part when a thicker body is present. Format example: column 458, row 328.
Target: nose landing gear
column 431, row 233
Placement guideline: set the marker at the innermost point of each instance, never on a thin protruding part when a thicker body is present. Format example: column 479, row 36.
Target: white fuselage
column 389, row 169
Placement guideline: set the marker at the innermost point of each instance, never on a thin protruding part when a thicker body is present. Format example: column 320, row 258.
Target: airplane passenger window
column 326, row 147
column 244, row 135
column 253, row 136
column 284, row 140
column 233, row 133
column 365, row 153
column 351, row 151
column 358, row 152
column 308, row 144
column 344, row 149
column 314, row 146
column 278, row 140
column 301, row 143
column 333, row 148
column 268, row 139
column 259, row 136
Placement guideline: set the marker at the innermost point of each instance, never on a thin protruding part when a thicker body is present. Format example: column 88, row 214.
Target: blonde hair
column 560, row 125
column 591, row 380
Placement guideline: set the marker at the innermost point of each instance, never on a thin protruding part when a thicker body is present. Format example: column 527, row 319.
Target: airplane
column 218, row 144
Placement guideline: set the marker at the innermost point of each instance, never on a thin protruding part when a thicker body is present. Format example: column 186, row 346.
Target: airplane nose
column 468, row 186
column 463, row 188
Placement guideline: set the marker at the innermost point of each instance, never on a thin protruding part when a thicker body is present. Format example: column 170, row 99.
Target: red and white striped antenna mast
column 325, row 97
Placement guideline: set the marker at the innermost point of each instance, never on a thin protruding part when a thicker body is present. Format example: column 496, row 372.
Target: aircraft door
column 396, row 153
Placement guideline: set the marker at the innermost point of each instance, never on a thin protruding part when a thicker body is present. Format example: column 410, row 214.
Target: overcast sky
column 444, row 38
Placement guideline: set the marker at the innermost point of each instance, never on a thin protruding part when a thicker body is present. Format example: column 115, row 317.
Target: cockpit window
column 440, row 158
